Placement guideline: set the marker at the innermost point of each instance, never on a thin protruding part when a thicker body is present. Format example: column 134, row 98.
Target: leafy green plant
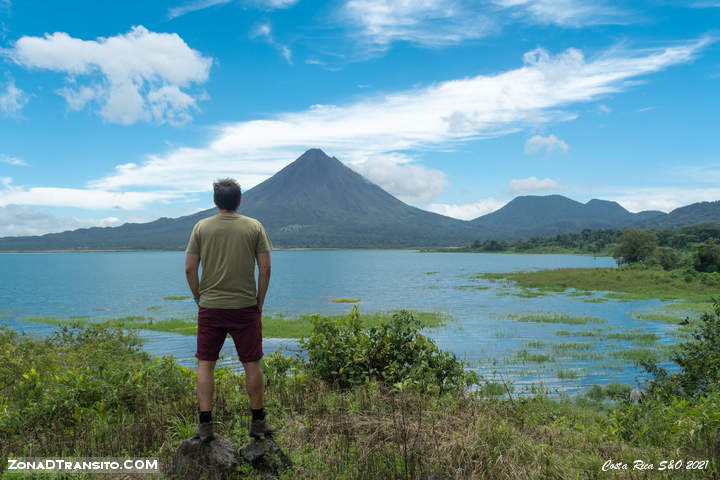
column 395, row 353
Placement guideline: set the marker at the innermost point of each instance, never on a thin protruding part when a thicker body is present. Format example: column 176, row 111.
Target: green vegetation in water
column 638, row 355
column 491, row 389
column 176, row 297
column 154, row 308
column 471, row 287
column 595, row 300
column 561, row 348
column 525, row 356
column 568, row 374
column 431, row 273
column 356, row 424
column 274, row 325
column 345, row 300
column 555, row 318
column 625, row 283
column 636, row 335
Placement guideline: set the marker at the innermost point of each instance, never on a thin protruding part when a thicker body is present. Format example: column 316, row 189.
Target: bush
column 668, row 258
column 394, row 353
column 707, row 257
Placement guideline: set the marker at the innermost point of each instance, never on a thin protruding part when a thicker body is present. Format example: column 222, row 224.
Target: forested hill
column 317, row 202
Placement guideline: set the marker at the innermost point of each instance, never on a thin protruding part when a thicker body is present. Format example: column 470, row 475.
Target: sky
column 114, row 112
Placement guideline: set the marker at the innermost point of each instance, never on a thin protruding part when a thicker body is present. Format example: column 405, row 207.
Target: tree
column 707, row 257
column 635, row 245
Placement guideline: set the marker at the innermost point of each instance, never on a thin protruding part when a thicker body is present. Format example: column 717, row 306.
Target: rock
column 266, row 456
column 197, row 459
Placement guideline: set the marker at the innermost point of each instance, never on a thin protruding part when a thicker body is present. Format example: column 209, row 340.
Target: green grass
column 345, row 300
column 637, row 355
column 531, row 357
column 636, row 335
column 571, row 346
column 176, row 297
column 556, row 318
column 274, row 326
column 154, row 308
column 626, row 283
column 567, row 373
column 471, row 287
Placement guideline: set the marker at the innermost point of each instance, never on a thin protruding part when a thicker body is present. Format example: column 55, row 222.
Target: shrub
column 394, row 353
column 707, row 257
column 668, row 258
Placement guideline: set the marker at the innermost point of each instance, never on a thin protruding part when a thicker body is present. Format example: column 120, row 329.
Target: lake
column 482, row 332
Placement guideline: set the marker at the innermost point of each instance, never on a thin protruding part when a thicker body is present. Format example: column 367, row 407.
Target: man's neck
column 227, row 212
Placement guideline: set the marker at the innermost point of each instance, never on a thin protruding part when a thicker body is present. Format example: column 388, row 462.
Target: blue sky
column 126, row 111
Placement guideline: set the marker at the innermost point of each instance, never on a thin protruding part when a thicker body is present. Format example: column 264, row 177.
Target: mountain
column 692, row 214
column 548, row 215
column 316, row 201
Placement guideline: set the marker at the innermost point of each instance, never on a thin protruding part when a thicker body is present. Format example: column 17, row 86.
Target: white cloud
column 661, row 198
column 264, row 31
column 522, row 186
column 538, row 143
column 137, row 76
column 425, row 22
column 91, row 199
column 467, row 211
column 602, row 108
column 396, row 173
column 567, row 13
column 12, row 160
column 16, row 221
column 12, row 100
column 193, row 6
column 203, row 4
column 437, row 116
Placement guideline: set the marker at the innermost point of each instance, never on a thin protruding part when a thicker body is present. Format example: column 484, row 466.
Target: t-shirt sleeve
column 193, row 245
column 263, row 241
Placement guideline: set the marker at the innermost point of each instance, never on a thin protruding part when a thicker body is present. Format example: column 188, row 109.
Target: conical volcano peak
column 314, row 155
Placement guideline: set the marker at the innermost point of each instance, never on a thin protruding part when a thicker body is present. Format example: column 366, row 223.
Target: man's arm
column 192, row 264
column 263, row 261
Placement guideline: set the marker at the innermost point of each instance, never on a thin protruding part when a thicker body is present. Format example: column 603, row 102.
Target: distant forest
column 601, row 242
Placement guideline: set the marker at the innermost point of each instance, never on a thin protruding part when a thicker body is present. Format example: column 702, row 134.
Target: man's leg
column 254, row 384
column 206, row 384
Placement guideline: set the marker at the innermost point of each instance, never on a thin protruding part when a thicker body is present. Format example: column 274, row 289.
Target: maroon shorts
column 244, row 326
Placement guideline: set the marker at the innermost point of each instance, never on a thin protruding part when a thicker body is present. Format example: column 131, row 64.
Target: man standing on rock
column 227, row 245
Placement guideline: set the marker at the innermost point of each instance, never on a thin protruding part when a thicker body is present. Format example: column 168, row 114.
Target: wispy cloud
column 137, row 76
column 523, row 186
column 16, row 220
column 12, row 100
column 378, row 127
column 665, row 199
column 567, row 13
column 86, row 198
column 194, row 6
column 549, row 144
column 203, row 4
column 12, row 160
column 264, row 31
column 467, row 211
column 425, row 22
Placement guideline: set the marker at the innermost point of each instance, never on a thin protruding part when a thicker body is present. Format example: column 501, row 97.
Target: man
column 227, row 245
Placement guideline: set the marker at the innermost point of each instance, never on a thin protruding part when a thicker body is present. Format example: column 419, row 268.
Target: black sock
column 258, row 414
column 206, row 417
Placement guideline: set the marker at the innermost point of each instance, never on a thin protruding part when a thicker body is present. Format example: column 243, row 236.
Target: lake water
column 113, row 284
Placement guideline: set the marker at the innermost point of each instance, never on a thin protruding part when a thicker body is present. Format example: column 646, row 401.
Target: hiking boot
column 204, row 432
column 258, row 428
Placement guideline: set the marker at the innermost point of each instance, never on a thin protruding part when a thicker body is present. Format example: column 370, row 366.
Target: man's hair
column 227, row 194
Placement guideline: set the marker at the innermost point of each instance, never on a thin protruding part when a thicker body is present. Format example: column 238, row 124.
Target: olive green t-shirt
column 227, row 245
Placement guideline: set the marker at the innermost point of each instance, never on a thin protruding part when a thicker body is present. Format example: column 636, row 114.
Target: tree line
column 696, row 246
